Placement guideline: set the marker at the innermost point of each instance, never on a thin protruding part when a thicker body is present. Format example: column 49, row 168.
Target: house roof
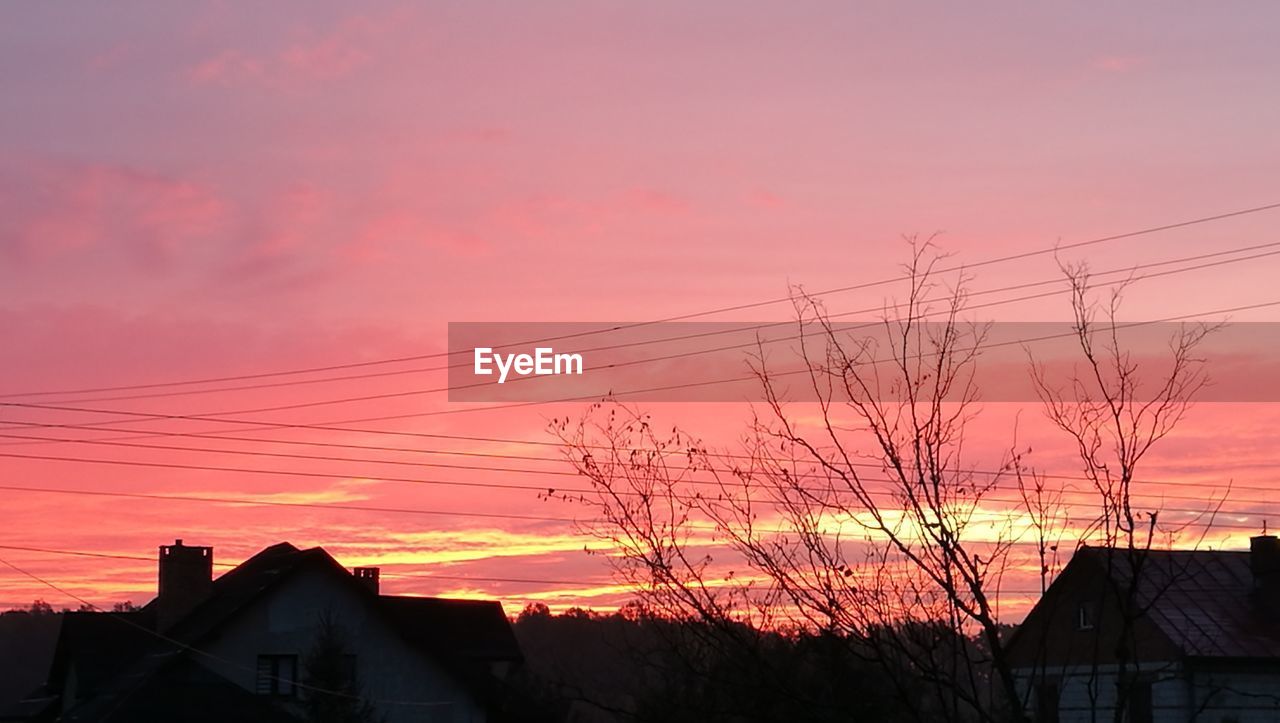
column 476, row 629
column 126, row 659
column 98, row 645
column 1203, row 601
column 1189, row 603
column 243, row 584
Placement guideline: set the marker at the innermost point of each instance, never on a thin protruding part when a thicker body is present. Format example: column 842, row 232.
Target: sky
column 204, row 190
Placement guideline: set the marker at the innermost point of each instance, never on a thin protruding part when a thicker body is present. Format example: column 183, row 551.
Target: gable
column 1052, row 636
column 400, row 678
column 416, row 655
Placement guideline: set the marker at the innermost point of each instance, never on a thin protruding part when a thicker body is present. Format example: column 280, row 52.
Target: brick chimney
column 186, row 577
column 368, row 576
column 1264, row 561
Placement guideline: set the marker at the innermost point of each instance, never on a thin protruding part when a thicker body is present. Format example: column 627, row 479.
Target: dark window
column 1047, row 697
column 1140, row 709
column 277, row 674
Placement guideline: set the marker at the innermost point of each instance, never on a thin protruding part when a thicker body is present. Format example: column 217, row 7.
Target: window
column 1140, row 708
column 1047, row 697
column 277, row 675
column 1086, row 616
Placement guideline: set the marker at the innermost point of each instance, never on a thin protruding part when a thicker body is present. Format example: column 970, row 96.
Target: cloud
column 555, row 216
column 312, row 58
column 440, row 547
column 110, row 58
column 60, row 216
column 278, row 230
column 342, row 492
column 652, row 201
column 484, row 135
column 50, row 208
column 1118, row 63
column 226, row 68
column 330, row 56
column 761, row 198
column 384, row 236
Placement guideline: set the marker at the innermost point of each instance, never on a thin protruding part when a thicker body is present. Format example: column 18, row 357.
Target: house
column 242, row 647
column 1165, row 635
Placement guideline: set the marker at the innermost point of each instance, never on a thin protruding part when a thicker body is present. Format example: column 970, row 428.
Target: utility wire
column 575, row 474
column 733, row 330
column 681, row 317
column 216, row 417
column 211, row 656
column 539, row 581
column 383, row 574
column 550, row 491
column 239, row 502
column 149, row 434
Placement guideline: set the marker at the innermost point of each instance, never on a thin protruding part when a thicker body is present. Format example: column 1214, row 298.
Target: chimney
column 186, row 577
column 1264, row 560
column 368, row 576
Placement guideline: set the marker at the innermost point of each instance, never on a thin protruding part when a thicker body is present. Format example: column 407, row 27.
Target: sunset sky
column 204, row 191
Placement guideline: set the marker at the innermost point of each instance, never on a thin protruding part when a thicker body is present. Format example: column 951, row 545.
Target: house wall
column 1088, row 694
column 1237, row 695
column 1216, row 695
column 286, row 623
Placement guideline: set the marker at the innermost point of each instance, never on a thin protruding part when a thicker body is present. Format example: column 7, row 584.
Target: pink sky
column 217, row 191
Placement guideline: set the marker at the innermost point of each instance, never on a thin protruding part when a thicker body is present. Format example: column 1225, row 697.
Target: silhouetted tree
column 1112, row 422
column 331, row 692
column 858, row 517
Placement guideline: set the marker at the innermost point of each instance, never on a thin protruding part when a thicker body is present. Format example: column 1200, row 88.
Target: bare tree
column 860, row 515
column 1113, row 417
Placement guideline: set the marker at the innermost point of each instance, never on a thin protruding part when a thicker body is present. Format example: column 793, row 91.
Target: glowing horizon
column 211, row 194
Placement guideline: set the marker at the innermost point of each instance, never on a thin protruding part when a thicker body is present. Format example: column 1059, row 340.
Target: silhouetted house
column 1168, row 635
column 237, row 648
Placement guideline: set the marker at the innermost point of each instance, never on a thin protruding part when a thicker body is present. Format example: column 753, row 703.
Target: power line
column 193, row 417
column 279, row 503
column 283, row 455
column 474, row 484
column 574, row 473
column 384, row 574
column 192, row 649
column 650, row 360
column 149, row 434
column 214, row 435
column 681, row 317
column 549, row 491
column 718, row 332
column 285, row 473
column 681, row 386
column 540, row 581
column 514, row 405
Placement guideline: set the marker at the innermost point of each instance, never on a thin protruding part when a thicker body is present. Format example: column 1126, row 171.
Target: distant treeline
column 27, row 638
column 631, row 666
